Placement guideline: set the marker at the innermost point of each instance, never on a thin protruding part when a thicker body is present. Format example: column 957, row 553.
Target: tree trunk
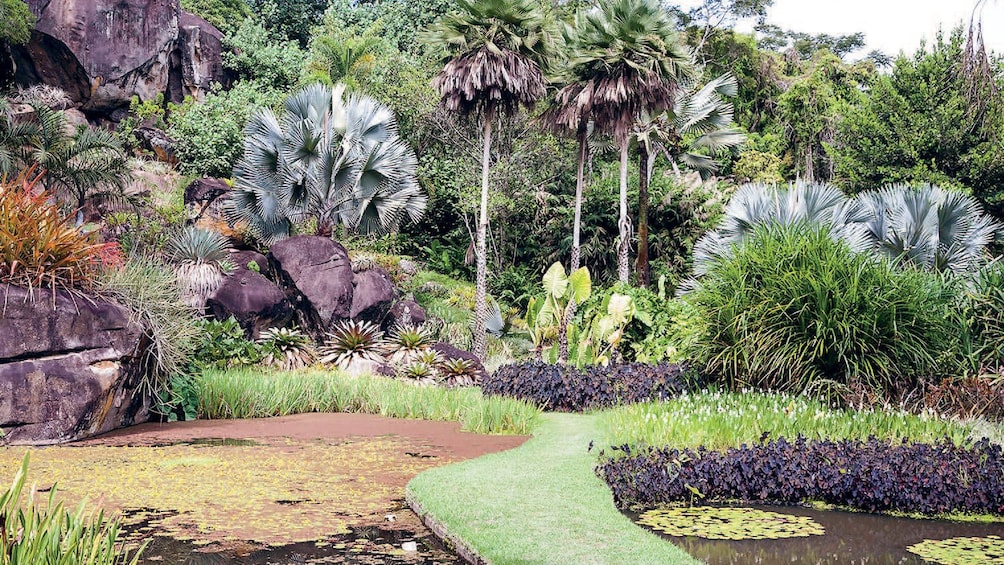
column 624, row 224
column 582, row 136
column 481, row 280
column 580, row 181
column 642, row 266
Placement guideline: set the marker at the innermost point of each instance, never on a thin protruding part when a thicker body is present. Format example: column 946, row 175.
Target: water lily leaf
column 729, row 523
column 961, row 551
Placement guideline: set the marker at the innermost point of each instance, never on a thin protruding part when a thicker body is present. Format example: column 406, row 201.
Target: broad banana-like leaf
column 555, row 281
column 581, row 285
column 620, row 308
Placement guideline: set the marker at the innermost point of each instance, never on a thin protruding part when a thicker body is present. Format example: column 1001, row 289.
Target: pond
column 845, row 538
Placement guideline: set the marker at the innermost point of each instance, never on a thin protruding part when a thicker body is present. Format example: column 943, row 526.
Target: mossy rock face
column 961, row 551
column 729, row 523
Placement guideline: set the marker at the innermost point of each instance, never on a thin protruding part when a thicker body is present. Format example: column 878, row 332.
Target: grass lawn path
column 539, row 503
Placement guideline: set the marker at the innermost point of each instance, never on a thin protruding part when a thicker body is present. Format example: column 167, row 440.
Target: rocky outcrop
column 254, row 301
column 205, row 191
column 317, row 273
column 157, row 142
column 104, row 52
column 372, row 295
column 69, row 367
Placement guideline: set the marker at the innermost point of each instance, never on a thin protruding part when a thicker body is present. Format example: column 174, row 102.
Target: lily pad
column 961, row 551
column 729, row 523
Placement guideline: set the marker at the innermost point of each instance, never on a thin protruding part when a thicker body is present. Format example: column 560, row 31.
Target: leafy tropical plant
column 405, row 342
column 561, row 293
column 286, row 348
column 223, row 344
column 337, row 159
column 494, row 52
column 457, row 372
column 42, row 532
column 351, row 340
column 39, row 246
column 202, row 258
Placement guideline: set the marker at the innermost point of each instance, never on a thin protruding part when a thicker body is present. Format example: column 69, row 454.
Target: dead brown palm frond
column 977, row 72
column 484, row 81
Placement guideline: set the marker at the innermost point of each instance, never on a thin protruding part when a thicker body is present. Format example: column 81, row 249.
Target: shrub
column 256, row 55
column 794, row 307
column 38, row 245
column 567, row 389
column 222, row 345
column 44, row 533
column 872, row 475
column 986, row 303
column 150, row 291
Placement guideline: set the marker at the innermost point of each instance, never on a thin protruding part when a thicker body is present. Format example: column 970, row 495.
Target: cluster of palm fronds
column 201, row 258
column 922, row 226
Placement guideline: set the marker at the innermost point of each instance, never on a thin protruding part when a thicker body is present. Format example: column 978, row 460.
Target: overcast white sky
column 889, row 25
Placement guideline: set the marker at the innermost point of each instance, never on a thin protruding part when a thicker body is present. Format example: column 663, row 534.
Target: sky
column 888, row 25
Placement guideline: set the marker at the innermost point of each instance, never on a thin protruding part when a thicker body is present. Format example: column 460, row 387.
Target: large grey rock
column 157, row 142
column 372, row 295
column 317, row 274
column 254, row 301
column 404, row 312
column 104, row 52
column 70, row 367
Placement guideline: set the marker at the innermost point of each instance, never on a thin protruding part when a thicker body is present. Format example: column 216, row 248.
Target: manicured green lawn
column 540, row 503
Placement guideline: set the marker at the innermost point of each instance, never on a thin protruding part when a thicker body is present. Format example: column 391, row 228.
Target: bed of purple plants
column 870, row 475
column 565, row 388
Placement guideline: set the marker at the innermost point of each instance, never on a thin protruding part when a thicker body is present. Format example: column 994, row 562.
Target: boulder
column 157, row 142
column 243, row 258
column 404, row 312
column 254, row 301
column 205, row 191
column 372, row 295
column 104, row 52
column 197, row 61
column 450, row 352
column 70, row 367
column 317, row 273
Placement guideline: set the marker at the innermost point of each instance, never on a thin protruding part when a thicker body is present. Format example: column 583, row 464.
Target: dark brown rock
column 156, row 141
column 243, row 258
column 317, row 274
column 404, row 312
column 197, row 62
column 69, row 367
column 450, row 352
column 372, row 295
column 205, row 190
column 254, row 301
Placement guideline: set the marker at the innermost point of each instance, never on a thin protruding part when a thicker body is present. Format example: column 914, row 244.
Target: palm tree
column 79, row 164
column 493, row 53
column 329, row 156
column 696, row 130
column 633, row 61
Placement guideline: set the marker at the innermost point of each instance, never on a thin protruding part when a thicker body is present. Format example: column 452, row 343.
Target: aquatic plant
column 710, row 522
column 961, row 551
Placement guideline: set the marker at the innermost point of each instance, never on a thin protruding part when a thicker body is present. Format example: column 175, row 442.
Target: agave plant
column 406, row 341
column 350, row 341
column 418, row 371
column 202, row 258
column 287, row 348
column 458, row 372
column 333, row 157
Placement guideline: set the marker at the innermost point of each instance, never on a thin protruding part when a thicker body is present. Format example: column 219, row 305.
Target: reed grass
column 258, row 393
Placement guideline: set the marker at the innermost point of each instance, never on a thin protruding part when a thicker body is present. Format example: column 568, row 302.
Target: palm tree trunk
column 641, row 265
column 624, row 224
column 481, row 279
column 582, row 136
column 580, row 181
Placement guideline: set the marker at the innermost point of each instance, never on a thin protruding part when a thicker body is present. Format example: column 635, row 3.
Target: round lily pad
column 729, row 523
column 961, row 551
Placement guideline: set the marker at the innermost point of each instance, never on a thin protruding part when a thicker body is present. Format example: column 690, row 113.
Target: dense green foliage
column 226, row 15
column 793, row 308
column 16, row 22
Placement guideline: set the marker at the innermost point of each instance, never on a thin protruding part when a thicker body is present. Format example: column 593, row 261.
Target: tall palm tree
column 696, row 130
column 334, row 157
column 635, row 62
column 493, row 53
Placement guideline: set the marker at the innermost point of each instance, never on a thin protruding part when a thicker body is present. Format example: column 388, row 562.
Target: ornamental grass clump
column 794, row 307
column 39, row 245
column 42, row 532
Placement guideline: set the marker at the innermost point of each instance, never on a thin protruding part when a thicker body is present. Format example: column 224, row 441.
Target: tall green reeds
column 32, row 533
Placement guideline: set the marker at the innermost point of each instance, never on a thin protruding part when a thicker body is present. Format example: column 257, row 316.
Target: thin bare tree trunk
column 641, row 265
column 582, row 135
column 481, row 280
column 624, row 224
